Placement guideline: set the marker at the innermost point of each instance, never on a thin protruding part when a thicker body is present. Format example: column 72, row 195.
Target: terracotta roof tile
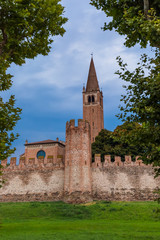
column 43, row 142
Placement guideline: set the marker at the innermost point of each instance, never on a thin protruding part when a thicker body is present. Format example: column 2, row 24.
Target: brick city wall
column 32, row 182
column 116, row 180
column 75, row 179
column 125, row 181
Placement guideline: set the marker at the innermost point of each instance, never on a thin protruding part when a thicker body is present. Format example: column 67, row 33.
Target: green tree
column 142, row 104
column 103, row 144
column 27, row 28
column 138, row 20
column 116, row 144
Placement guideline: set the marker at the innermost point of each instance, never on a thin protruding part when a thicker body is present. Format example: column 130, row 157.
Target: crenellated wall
column 117, row 161
column 75, row 179
column 126, row 181
column 42, row 181
column 116, row 180
column 49, row 162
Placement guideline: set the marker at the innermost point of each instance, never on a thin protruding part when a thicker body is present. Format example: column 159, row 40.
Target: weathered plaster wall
column 126, row 183
column 33, row 185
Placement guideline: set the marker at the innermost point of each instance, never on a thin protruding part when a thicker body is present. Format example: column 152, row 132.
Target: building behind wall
column 47, row 151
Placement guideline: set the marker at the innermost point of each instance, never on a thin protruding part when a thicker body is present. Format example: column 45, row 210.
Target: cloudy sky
column 49, row 89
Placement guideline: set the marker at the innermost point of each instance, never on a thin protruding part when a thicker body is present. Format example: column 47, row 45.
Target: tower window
column 89, row 99
column 93, row 99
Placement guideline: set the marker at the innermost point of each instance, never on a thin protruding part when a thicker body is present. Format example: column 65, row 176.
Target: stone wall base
column 83, row 197
column 126, row 195
column 77, row 197
column 38, row 197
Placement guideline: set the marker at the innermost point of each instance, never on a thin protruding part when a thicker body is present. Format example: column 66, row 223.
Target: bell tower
column 93, row 103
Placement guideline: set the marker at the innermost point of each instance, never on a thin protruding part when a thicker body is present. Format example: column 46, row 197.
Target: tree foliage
column 27, row 28
column 115, row 143
column 138, row 20
column 9, row 115
column 142, row 104
column 103, row 144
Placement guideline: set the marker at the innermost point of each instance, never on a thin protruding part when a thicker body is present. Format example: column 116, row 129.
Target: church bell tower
column 93, row 103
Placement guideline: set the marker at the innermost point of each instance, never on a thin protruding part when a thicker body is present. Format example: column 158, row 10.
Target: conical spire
column 92, row 83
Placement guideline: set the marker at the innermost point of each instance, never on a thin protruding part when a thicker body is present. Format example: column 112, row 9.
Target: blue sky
column 49, row 88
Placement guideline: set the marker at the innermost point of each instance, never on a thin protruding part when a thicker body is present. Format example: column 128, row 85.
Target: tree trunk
column 146, row 7
column 2, row 44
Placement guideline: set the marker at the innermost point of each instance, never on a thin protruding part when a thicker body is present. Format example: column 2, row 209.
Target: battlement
column 41, row 163
column 50, row 162
column 117, row 161
column 4, row 163
column 82, row 124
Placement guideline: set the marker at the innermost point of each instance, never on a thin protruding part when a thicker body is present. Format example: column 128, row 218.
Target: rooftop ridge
column 44, row 142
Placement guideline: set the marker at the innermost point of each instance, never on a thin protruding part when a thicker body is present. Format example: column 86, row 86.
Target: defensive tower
column 77, row 157
column 93, row 103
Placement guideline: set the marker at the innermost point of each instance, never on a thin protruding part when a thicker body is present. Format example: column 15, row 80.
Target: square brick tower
column 77, row 160
column 93, row 103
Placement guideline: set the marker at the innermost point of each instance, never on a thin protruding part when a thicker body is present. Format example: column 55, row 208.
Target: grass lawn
column 96, row 221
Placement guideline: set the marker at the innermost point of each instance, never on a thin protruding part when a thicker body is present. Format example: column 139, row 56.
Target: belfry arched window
column 89, row 99
column 93, row 99
column 41, row 154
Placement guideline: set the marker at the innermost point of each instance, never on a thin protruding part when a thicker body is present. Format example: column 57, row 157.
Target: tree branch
column 146, row 7
column 2, row 44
